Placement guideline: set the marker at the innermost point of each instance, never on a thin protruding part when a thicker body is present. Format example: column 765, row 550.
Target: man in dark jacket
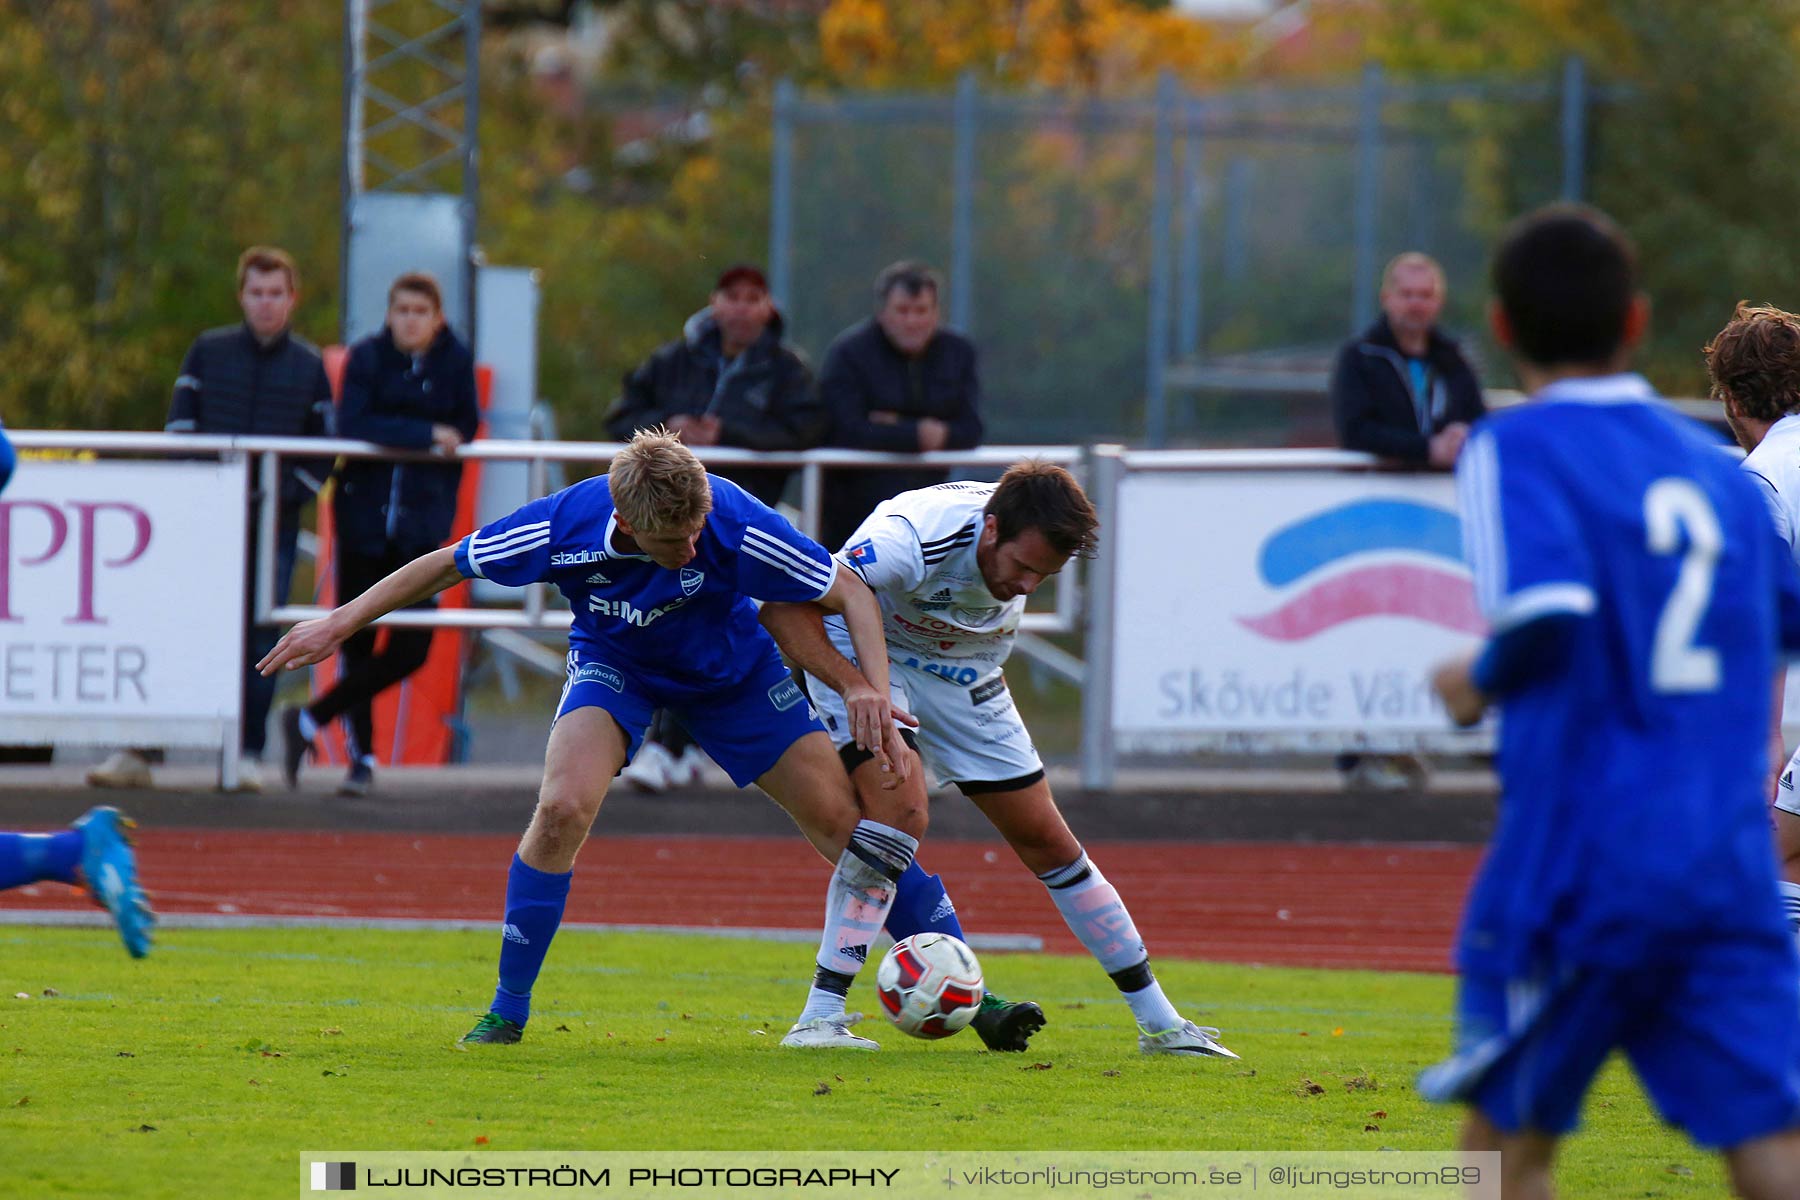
column 1403, row 389
column 897, row 381
column 729, row 380
column 255, row 378
column 412, row 387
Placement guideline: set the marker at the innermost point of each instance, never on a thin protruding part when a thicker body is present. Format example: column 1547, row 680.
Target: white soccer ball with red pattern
column 930, row 985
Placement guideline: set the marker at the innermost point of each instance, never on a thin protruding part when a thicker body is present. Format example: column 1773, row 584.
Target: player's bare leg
column 1767, row 1168
column 587, row 748
column 809, row 782
column 1031, row 823
column 1525, row 1158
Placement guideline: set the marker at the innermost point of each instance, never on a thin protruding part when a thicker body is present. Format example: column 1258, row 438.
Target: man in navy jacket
column 1402, row 389
column 411, row 386
column 898, row 381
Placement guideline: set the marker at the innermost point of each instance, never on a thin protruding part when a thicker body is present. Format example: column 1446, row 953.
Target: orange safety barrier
column 417, row 722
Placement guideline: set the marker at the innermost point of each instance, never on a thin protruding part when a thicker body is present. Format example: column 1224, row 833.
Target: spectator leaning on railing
column 261, row 378
column 411, row 386
column 1403, row 390
column 729, row 380
column 896, row 381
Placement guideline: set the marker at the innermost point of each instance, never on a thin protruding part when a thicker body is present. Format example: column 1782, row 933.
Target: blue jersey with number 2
column 1632, row 818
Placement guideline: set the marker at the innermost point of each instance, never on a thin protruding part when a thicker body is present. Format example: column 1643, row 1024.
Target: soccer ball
column 930, row 985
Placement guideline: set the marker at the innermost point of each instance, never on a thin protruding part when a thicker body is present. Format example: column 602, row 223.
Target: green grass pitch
column 206, row 1068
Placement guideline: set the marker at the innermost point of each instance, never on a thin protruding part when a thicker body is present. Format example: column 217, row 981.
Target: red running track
column 1386, row 907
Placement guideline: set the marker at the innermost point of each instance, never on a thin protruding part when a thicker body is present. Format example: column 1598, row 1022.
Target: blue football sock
column 921, row 905
column 30, row 857
column 534, row 908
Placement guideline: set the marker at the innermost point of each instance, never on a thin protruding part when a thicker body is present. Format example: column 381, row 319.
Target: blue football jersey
column 1632, row 815
column 679, row 632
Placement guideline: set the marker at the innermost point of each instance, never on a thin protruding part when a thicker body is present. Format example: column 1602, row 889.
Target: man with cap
column 729, row 380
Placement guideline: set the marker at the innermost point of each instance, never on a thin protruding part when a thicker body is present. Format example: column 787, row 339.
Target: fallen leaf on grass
column 1678, row 1169
column 52, row 993
column 145, row 1129
column 1371, row 1129
column 1110, row 1074
column 824, row 1089
column 1307, row 1087
column 124, row 1054
column 334, row 1031
column 564, row 1029
column 1379, row 1114
column 1361, row 1082
column 1036, row 1067
column 1338, row 1032
column 481, row 1139
column 22, row 1101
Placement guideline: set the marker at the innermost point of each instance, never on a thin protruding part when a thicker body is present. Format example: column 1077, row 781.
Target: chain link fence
column 1171, row 270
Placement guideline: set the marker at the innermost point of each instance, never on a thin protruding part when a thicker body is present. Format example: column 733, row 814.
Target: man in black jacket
column 258, row 377
column 410, row 386
column 729, row 380
column 897, row 381
column 1402, row 389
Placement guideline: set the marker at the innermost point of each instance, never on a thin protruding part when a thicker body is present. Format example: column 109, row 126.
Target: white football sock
column 1095, row 914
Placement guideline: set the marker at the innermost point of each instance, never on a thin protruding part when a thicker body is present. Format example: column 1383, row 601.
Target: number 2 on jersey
column 1674, row 506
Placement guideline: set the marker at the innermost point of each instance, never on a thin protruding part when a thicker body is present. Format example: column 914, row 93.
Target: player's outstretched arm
column 314, row 641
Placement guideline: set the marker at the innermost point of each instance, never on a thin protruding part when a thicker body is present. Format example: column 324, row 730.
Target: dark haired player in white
column 952, row 566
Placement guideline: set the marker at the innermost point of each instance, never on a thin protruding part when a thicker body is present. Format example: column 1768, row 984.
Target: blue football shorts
column 1713, row 1035
column 744, row 728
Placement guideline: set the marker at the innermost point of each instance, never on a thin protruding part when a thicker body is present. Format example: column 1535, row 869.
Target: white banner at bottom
column 909, row 1175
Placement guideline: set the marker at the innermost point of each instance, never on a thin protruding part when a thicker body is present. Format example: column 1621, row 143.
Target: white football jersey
column 917, row 552
column 1776, row 464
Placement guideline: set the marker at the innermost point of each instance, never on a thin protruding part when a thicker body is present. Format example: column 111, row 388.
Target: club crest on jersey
column 862, row 554
column 691, row 580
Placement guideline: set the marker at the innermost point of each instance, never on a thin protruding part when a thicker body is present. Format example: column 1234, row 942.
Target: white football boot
column 829, row 1033
column 1187, row 1038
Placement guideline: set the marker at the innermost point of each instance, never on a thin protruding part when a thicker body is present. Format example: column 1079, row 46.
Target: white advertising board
column 1282, row 608
column 122, row 603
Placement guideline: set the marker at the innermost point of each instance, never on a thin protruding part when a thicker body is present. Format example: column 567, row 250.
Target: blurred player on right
column 1636, row 593
column 1754, row 363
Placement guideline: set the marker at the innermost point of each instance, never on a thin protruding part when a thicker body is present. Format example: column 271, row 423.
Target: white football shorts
column 1787, row 799
column 968, row 733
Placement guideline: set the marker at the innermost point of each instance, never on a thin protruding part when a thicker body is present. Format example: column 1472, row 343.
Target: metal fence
column 1198, row 254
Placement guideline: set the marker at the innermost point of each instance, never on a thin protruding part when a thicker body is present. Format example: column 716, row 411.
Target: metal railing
column 535, row 611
